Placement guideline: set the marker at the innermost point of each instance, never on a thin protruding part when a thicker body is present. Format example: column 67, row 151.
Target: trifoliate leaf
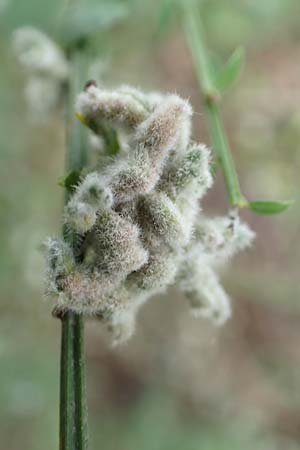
column 269, row 207
column 83, row 20
column 229, row 73
column 70, row 180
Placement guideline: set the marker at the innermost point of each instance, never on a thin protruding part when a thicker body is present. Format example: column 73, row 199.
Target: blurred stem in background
column 196, row 42
column 73, row 408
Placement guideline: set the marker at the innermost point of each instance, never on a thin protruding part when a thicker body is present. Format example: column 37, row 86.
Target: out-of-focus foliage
column 269, row 207
column 82, row 21
column 231, row 70
column 235, row 388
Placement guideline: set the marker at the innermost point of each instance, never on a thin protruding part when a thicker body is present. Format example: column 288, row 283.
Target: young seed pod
column 157, row 274
column 208, row 298
column 79, row 216
column 202, row 288
column 127, row 210
column 188, row 176
column 122, row 325
column 161, row 132
column 87, row 293
column 96, row 105
column 94, row 191
column 116, row 244
column 60, row 263
column 59, row 255
column 149, row 100
column 160, row 219
column 222, row 237
column 132, row 178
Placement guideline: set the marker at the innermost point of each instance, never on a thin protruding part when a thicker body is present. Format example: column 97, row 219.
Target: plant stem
column 224, row 155
column 81, row 431
column 67, row 402
column 195, row 40
column 73, row 410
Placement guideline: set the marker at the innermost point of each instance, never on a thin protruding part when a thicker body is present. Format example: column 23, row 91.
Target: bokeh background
column 179, row 383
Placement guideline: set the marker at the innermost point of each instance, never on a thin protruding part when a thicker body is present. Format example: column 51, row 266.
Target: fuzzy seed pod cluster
column 45, row 67
column 135, row 220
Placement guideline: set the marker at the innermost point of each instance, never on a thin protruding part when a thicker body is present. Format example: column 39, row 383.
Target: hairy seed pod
column 158, row 134
column 188, row 176
column 87, row 292
column 60, row 263
column 160, row 218
column 206, row 296
column 122, row 325
column 132, row 178
column 94, row 191
column 80, row 216
column 127, row 210
column 211, row 301
column 59, row 255
column 96, row 105
column 222, row 237
column 157, row 274
column 150, row 100
column 116, row 243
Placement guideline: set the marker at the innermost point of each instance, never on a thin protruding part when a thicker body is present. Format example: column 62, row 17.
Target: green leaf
column 269, row 207
column 81, row 21
column 70, row 180
column 229, row 73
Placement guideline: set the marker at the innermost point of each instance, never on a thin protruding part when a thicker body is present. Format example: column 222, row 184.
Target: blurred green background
column 179, row 383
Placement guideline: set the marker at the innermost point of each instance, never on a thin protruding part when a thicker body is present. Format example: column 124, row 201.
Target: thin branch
column 196, row 42
column 73, row 410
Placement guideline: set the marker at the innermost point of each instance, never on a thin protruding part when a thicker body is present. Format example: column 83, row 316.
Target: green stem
column 66, row 425
column 195, row 40
column 73, row 410
column 81, row 431
column 224, row 155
